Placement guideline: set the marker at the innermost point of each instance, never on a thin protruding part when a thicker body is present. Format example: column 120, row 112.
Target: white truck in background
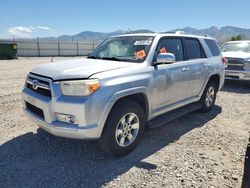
column 237, row 54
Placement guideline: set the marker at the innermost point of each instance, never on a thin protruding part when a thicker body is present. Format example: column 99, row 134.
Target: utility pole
column 38, row 47
column 58, row 43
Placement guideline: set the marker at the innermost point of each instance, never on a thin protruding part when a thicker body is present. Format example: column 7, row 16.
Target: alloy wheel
column 127, row 129
column 210, row 96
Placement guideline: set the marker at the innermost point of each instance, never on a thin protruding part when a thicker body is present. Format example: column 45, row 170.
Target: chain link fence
column 42, row 48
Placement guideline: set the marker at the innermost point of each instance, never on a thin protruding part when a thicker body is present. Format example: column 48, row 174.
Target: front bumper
column 61, row 130
column 237, row 75
column 88, row 116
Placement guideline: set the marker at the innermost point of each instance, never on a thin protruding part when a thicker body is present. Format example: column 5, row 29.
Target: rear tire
column 209, row 96
column 123, row 129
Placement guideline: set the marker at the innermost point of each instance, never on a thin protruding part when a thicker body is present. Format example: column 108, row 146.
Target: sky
column 43, row 18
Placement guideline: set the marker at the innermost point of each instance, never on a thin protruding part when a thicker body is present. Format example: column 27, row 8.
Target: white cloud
column 22, row 31
column 43, row 27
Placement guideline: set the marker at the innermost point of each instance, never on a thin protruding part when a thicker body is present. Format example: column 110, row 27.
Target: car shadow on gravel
column 236, row 86
column 41, row 160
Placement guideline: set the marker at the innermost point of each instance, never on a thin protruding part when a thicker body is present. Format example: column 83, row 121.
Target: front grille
column 40, row 90
column 235, row 64
column 35, row 110
column 232, row 67
column 232, row 76
column 43, row 87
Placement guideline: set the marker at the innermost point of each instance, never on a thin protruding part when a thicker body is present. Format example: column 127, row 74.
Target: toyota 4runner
column 127, row 82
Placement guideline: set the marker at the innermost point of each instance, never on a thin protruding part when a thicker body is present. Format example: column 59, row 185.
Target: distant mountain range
column 91, row 35
column 222, row 34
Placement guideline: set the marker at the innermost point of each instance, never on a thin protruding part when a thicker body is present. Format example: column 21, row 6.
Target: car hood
column 242, row 55
column 75, row 69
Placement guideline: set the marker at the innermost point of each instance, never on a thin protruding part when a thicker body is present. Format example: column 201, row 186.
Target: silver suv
column 127, row 83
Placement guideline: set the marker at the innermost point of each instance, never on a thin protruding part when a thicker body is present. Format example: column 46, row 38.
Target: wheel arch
column 140, row 98
column 216, row 79
column 138, row 95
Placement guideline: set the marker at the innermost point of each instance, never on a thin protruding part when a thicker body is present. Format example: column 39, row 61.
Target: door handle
column 206, row 66
column 185, row 69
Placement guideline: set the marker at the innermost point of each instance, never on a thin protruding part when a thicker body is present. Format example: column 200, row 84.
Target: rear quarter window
column 212, row 45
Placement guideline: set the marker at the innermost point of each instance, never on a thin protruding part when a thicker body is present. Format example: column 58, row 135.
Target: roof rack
column 175, row 32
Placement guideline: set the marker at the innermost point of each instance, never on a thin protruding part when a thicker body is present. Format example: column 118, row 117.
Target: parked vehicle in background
column 127, row 81
column 238, row 55
column 8, row 51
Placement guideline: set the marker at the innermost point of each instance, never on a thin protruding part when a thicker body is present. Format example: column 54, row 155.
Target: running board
column 172, row 115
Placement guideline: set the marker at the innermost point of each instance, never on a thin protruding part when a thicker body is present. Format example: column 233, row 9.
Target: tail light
column 224, row 61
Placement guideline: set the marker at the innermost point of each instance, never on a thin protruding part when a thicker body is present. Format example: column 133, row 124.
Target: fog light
column 66, row 118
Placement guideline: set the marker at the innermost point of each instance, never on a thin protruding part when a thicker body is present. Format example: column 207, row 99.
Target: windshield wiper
column 111, row 58
column 107, row 58
column 93, row 57
column 115, row 59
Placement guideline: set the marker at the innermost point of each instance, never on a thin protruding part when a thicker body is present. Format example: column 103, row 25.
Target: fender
column 216, row 72
column 118, row 95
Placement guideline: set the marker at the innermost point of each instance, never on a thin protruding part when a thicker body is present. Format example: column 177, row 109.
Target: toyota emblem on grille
column 35, row 84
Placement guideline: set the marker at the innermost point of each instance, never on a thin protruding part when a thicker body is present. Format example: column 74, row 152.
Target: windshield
column 126, row 48
column 236, row 47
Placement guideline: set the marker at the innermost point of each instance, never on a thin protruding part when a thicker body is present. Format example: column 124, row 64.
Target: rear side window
column 213, row 47
column 194, row 49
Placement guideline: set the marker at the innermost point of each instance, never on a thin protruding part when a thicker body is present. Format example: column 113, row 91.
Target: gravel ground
column 196, row 150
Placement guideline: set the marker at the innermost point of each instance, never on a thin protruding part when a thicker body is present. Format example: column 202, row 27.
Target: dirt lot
column 197, row 150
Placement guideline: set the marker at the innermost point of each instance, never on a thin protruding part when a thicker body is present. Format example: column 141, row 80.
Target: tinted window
column 171, row 46
column 194, row 50
column 213, row 47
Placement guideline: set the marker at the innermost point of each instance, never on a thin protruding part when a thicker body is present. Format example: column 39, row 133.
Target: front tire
column 123, row 129
column 208, row 97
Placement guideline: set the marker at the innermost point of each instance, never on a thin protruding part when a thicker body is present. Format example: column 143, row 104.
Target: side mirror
column 165, row 58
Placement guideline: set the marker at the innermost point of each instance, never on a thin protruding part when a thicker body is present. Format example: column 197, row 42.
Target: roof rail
column 179, row 32
column 175, row 32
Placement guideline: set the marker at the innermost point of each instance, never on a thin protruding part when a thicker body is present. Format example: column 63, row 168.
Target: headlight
column 79, row 87
column 247, row 63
